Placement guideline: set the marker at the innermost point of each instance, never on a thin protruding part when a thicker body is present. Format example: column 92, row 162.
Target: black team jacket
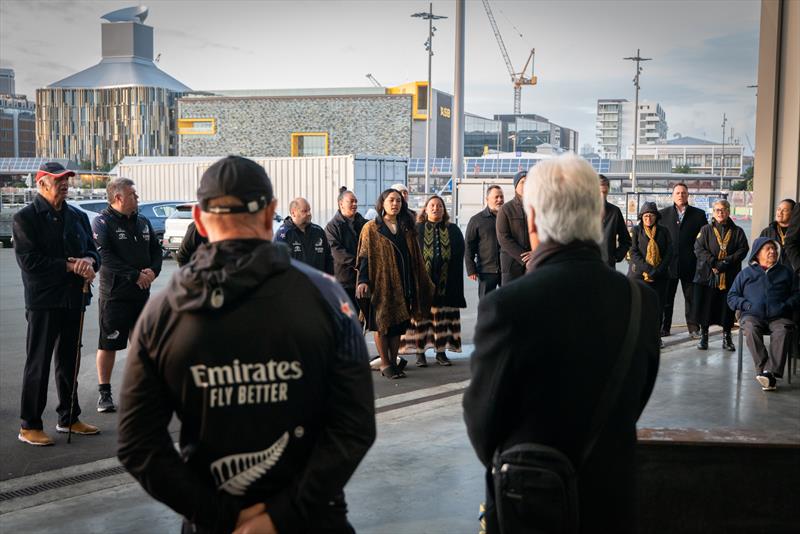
column 43, row 240
column 309, row 246
column 342, row 237
column 262, row 360
column 683, row 234
column 127, row 245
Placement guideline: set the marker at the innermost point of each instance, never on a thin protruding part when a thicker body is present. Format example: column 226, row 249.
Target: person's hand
column 526, row 256
column 362, row 290
column 715, row 270
column 83, row 267
column 260, row 524
column 473, row 277
column 143, row 281
column 245, row 514
column 150, row 274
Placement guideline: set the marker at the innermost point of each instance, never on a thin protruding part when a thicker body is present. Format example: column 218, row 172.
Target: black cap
column 238, row 177
column 54, row 169
column 519, row 176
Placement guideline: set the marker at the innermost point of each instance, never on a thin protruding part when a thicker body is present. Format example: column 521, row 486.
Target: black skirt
column 395, row 330
column 712, row 307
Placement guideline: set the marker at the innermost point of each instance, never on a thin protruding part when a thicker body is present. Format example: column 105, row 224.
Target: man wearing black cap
column 616, row 239
column 264, row 361
column 56, row 254
column 131, row 262
column 512, row 234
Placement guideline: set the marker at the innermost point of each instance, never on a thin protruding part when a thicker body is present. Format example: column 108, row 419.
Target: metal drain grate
column 61, row 483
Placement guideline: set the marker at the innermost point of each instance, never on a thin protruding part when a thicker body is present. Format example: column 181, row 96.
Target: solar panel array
column 29, row 165
column 489, row 166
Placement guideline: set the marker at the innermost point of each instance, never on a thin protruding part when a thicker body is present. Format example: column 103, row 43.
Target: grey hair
column 117, row 187
column 565, row 198
column 724, row 203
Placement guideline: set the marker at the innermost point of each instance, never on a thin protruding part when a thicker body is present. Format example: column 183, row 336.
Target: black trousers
column 687, row 288
column 487, row 283
column 50, row 333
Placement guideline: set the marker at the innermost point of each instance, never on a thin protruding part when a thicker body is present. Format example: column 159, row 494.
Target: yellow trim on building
column 188, row 126
column 297, row 135
column 413, row 89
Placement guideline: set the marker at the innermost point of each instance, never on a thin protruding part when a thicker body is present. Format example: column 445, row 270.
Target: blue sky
column 705, row 53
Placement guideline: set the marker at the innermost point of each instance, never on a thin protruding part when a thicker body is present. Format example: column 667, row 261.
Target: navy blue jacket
column 766, row 295
column 309, row 246
column 127, row 245
column 43, row 240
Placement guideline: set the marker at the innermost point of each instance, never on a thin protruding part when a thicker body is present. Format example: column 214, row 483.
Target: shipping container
column 316, row 179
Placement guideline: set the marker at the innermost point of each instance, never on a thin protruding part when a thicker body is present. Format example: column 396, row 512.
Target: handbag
column 535, row 485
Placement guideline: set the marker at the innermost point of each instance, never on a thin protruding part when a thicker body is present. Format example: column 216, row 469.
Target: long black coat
column 343, row 239
column 706, row 249
column 482, row 255
column 512, row 235
column 683, row 234
column 616, row 240
column 453, row 290
column 526, row 354
column 639, row 241
column 793, row 239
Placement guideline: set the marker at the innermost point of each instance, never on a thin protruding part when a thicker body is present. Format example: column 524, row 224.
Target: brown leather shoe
column 36, row 437
column 79, row 427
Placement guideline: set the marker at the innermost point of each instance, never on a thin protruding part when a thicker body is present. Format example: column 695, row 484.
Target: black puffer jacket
column 261, row 358
column 342, row 237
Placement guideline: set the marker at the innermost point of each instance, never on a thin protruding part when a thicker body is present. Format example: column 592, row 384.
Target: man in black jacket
column 683, row 223
column 306, row 240
column 616, row 239
column 481, row 244
column 342, row 232
column 264, row 361
column 512, row 234
column 190, row 242
column 131, row 259
column 523, row 358
column 56, row 254
column 793, row 239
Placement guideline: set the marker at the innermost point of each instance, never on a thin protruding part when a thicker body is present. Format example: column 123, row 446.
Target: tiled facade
column 263, row 126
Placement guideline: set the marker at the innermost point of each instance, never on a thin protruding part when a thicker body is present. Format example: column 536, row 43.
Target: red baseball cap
column 54, row 169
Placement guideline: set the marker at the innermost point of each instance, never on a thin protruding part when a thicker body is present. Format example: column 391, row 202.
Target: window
column 197, row 126
column 309, row 144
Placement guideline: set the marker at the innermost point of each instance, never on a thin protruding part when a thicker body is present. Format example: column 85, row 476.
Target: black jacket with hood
column 263, row 362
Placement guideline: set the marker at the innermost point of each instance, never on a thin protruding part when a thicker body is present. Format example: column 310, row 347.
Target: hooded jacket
column 764, row 294
column 263, row 362
column 775, row 234
column 309, row 246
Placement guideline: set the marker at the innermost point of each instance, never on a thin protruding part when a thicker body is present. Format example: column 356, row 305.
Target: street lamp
column 638, row 59
column 513, row 138
column 430, row 17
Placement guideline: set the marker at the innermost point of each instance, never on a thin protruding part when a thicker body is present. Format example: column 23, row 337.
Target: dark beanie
column 519, row 176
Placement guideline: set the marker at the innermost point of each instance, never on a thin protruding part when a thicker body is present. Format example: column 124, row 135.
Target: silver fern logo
column 235, row 473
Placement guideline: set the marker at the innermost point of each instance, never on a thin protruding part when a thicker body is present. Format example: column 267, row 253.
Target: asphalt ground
column 18, row 459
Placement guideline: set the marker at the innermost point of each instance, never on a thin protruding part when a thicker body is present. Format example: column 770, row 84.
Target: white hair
column 564, row 193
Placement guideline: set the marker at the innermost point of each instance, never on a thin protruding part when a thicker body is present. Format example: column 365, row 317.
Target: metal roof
column 689, row 141
column 121, row 72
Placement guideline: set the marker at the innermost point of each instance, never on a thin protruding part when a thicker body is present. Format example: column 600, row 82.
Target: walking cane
column 77, row 358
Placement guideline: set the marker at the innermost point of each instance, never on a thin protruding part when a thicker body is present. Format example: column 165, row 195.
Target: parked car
column 178, row 222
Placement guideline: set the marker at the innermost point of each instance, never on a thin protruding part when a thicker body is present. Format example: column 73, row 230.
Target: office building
column 615, row 125
column 701, row 156
column 17, row 120
column 124, row 105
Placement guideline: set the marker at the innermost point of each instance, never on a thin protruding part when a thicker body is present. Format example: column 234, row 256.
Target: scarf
column 781, row 234
column 653, row 256
column 723, row 253
column 436, row 254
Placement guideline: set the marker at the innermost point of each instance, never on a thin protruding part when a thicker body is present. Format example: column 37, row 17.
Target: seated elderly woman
column 763, row 293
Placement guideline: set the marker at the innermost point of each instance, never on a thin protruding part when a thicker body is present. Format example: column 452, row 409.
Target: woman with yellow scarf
column 651, row 251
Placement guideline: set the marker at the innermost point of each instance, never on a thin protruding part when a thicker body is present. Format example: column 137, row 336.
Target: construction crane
column 375, row 82
column 518, row 79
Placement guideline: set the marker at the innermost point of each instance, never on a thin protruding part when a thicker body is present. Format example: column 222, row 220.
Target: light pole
column 430, row 17
column 722, row 156
column 638, row 59
column 513, row 138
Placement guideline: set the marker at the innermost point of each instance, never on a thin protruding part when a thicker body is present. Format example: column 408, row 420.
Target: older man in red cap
column 56, row 254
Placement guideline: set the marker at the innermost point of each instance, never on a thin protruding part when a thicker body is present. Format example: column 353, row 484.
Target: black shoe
column 422, row 361
column 401, row 363
column 703, row 345
column 727, row 342
column 443, row 360
column 767, row 381
column 105, row 403
column 664, row 333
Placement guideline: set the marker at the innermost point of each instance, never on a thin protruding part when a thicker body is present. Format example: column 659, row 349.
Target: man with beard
column 481, row 244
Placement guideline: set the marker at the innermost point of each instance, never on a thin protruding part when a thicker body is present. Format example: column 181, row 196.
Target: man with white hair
column 531, row 358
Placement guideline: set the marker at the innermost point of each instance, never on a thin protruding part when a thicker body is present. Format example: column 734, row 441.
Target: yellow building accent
column 413, row 89
column 296, row 138
column 201, row 126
